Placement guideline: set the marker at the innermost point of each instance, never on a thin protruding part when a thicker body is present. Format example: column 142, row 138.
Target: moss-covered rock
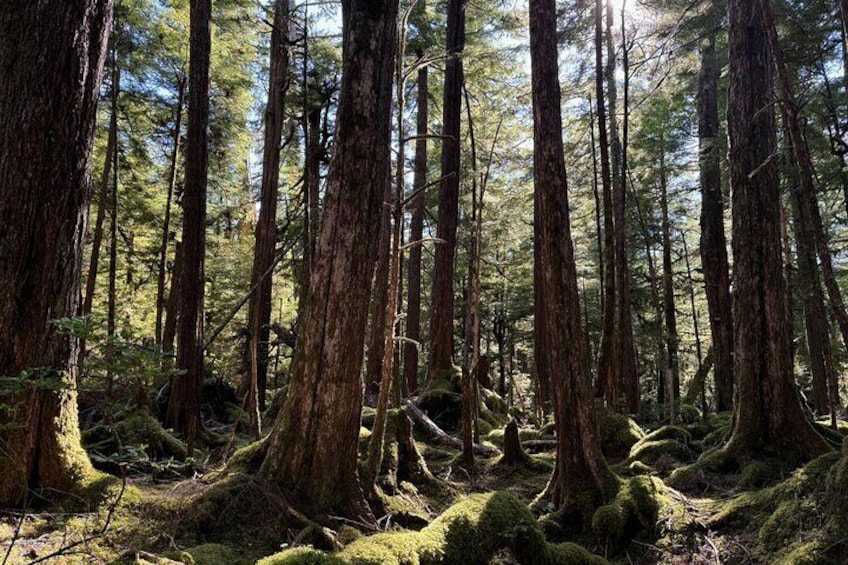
column 469, row 533
column 635, row 508
column 617, row 434
column 209, row 554
column 137, row 428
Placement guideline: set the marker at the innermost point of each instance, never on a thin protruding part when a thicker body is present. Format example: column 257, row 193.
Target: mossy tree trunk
column 442, row 300
column 767, row 412
column 266, row 228
column 312, row 454
column 53, row 54
column 582, row 481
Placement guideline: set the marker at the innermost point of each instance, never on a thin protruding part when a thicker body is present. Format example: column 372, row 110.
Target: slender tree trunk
column 103, row 196
column 184, row 403
column 607, row 385
column 312, row 455
column 48, row 101
column 596, row 195
column 379, row 298
column 696, row 321
column 812, row 233
column 166, row 226
column 582, row 481
column 442, row 300
column 172, row 308
column 767, row 412
column 670, row 312
column 843, row 14
column 259, row 315
column 713, row 241
column 416, row 232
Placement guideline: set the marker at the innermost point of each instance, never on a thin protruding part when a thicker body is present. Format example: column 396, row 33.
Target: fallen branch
column 443, row 438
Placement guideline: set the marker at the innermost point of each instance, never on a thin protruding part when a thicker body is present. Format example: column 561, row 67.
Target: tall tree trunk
column 166, row 225
column 312, row 455
column 672, row 365
column 813, row 231
column 379, row 298
column 582, row 481
column 53, row 54
column 625, row 360
column 713, row 241
column 843, row 15
column 442, row 300
column 607, row 385
column 259, row 313
column 103, row 195
column 184, row 404
column 172, row 308
column 416, row 232
column 767, row 412
column 696, row 321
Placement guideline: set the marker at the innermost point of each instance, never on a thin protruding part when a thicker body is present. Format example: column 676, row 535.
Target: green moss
column 301, row 556
column 469, row 532
column 757, row 474
column 649, row 452
column 572, row 554
column 635, row 508
column 142, row 429
column 248, row 459
column 212, row 554
column 689, row 414
column 617, row 434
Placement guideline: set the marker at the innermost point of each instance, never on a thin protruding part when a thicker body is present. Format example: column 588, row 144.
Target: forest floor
column 204, row 513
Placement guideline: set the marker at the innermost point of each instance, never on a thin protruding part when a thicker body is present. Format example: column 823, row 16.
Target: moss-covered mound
column 468, row 533
column 635, row 508
column 618, row 433
column 441, row 400
column 801, row 520
column 663, row 449
column 132, row 434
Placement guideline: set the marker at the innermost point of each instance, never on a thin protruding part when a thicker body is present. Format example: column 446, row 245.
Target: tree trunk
column 767, row 412
column 184, row 403
column 166, row 226
column 103, row 195
column 672, row 365
column 416, row 232
column 625, row 360
column 259, row 312
column 607, row 384
column 379, row 299
column 53, row 54
column 813, row 235
column 582, row 480
column 442, row 300
column 312, row 454
column 713, row 241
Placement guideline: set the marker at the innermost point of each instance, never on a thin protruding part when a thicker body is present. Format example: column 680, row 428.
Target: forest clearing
column 420, row 282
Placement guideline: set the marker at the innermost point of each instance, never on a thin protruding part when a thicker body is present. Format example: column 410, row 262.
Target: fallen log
column 439, row 434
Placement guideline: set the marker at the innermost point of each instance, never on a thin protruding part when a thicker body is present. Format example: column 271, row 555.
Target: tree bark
column 672, row 365
column 582, row 480
column 379, row 299
column 767, row 411
column 813, row 235
column 416, row 233
column 166, row 226
column 312, row 454
column 259, row 312
column 607, row 384
column 184, row 404
column 713, row 241
column 53, row 55
column 442, row 300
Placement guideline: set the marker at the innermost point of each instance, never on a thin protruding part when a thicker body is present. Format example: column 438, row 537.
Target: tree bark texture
column 767, row 410
column 442, row 300
column 53, row 55
column 713, row 240
column 313, row 451
column 184, row 405
column 582, row 480
column 416, row 233
column 259, row 313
